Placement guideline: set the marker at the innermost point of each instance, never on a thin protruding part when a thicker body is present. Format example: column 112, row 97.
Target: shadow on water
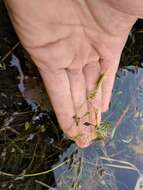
column 31, row 142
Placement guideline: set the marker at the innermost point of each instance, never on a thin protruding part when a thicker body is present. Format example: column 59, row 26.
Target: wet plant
column 31, row 144
column 102, row 128
column 102, row 132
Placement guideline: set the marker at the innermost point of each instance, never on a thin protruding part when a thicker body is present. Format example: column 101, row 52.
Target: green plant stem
column 34, row 174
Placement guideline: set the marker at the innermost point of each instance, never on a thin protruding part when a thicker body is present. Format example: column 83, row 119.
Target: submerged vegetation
column 36, row 155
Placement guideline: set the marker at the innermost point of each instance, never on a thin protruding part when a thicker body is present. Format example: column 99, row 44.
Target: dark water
column 126, row 112
column 31, row 142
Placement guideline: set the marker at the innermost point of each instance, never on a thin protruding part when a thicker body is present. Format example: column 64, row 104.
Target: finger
column 57, row 85
column 78, row 91
column 110, row 69
column 92, row 74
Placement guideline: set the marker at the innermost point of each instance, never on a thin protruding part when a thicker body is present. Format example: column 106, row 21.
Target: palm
column 71, row 51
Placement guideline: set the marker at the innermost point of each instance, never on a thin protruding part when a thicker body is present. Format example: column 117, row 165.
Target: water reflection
column 30, row 142
column 96, row 167
column 42, row 147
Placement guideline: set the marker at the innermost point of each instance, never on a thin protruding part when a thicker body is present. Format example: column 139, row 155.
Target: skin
column 72, row 44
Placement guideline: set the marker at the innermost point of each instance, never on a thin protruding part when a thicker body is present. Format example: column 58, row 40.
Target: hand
column 72, row 43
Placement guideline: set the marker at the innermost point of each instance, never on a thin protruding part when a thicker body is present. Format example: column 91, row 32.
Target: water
column 86, row 169
column 126, row 113
column 32, row 143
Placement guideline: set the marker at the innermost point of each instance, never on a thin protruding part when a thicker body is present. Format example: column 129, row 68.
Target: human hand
column 73, row 43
